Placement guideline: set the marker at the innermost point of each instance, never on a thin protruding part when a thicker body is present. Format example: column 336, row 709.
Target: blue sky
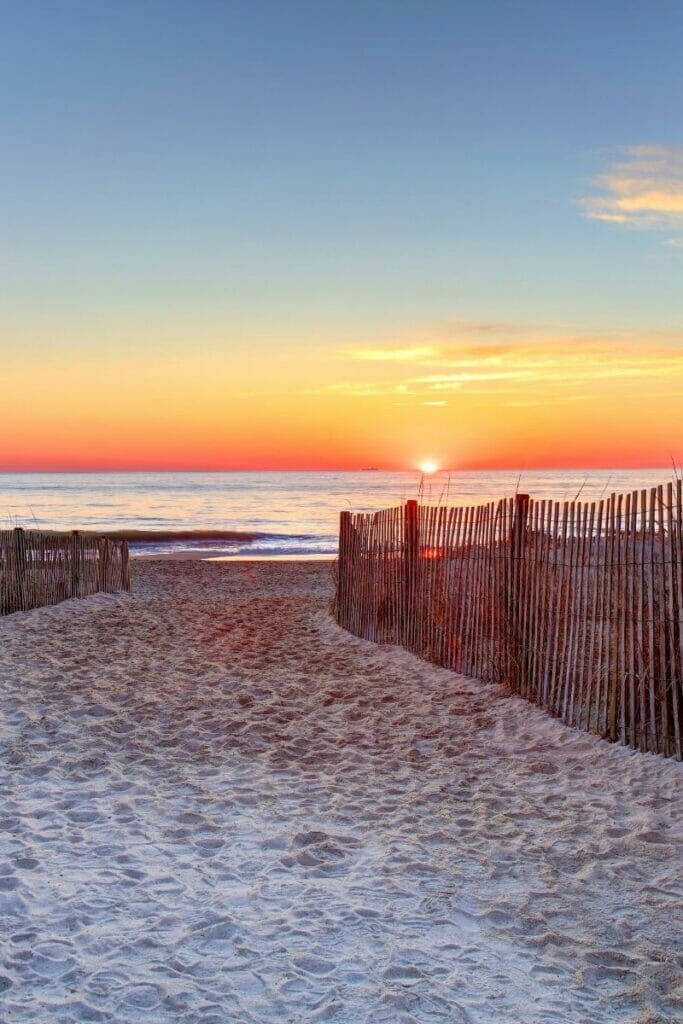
column 362, row 166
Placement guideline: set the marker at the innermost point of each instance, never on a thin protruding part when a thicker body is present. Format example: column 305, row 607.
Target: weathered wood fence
column 576, row 606
column 44, row 568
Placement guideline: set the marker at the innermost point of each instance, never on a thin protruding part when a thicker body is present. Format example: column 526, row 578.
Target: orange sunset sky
column 314, row 236
column 462, row 394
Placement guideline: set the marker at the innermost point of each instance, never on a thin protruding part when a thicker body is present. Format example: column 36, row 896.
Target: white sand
column 218, row 807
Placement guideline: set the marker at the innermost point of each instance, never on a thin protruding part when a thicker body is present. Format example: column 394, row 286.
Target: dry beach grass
column 218, row 806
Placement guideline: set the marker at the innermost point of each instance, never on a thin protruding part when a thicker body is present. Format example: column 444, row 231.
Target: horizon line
column 359, row 469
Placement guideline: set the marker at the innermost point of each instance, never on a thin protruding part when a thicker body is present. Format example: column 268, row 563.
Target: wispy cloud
column 559, row 364
column 449, row 381
column 395, row 355
column 644, row 189
column 549, row 400
column 354, row 389
column 480, row 338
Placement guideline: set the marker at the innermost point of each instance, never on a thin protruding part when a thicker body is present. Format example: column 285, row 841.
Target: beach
column 219, row 806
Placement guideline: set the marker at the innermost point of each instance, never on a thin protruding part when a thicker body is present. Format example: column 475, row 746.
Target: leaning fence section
column 38, row 568
column 576, row 606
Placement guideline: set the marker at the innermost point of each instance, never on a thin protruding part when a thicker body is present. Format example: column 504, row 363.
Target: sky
column 335, row 235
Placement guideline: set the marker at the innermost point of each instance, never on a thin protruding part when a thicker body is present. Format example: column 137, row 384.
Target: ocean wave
column 229, row 545
column 143, row 536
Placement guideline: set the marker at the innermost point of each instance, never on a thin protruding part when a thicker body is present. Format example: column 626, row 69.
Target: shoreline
column 218, row 556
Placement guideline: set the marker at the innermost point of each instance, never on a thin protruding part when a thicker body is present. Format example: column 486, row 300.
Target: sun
column 428, row 468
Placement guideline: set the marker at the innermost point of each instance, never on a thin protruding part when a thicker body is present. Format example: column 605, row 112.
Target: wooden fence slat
column 663, row 667
column 676, row 611
column 587, row 585
column 456, row 590
column 619, row 620
column 464, row 588
column 651, row 677
column 642, row 623
column 536, row 567
column 477, row 665
column 576, row 628
column 444, row 654
column 567, row 601
column 631, row 668
column 524, row 571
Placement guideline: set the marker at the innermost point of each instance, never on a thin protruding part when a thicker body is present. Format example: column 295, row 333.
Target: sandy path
column 217, row 807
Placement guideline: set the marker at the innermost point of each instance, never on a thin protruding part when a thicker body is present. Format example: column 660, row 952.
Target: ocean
column 278, row 514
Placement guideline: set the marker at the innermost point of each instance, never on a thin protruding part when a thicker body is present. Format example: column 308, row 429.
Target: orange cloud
column 394, row 355
column 565, row 361
column 643, row 190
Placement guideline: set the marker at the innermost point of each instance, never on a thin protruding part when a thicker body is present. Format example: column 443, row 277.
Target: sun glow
column 428, row 468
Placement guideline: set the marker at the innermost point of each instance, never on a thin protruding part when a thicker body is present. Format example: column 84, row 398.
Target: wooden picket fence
column 576, row 606
column 37, row 568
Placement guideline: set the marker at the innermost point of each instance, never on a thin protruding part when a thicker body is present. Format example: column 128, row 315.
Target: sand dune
column 218, row 807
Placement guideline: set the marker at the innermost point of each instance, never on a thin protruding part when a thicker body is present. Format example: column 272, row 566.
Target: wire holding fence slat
column 577, row 607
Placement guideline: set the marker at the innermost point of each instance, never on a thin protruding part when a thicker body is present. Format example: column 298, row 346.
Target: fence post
column 75, row 573
column 125, row 567
column 412, row 554
column 517, row 649
column 343, row 569
column 102, row 564
column 19, row 553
